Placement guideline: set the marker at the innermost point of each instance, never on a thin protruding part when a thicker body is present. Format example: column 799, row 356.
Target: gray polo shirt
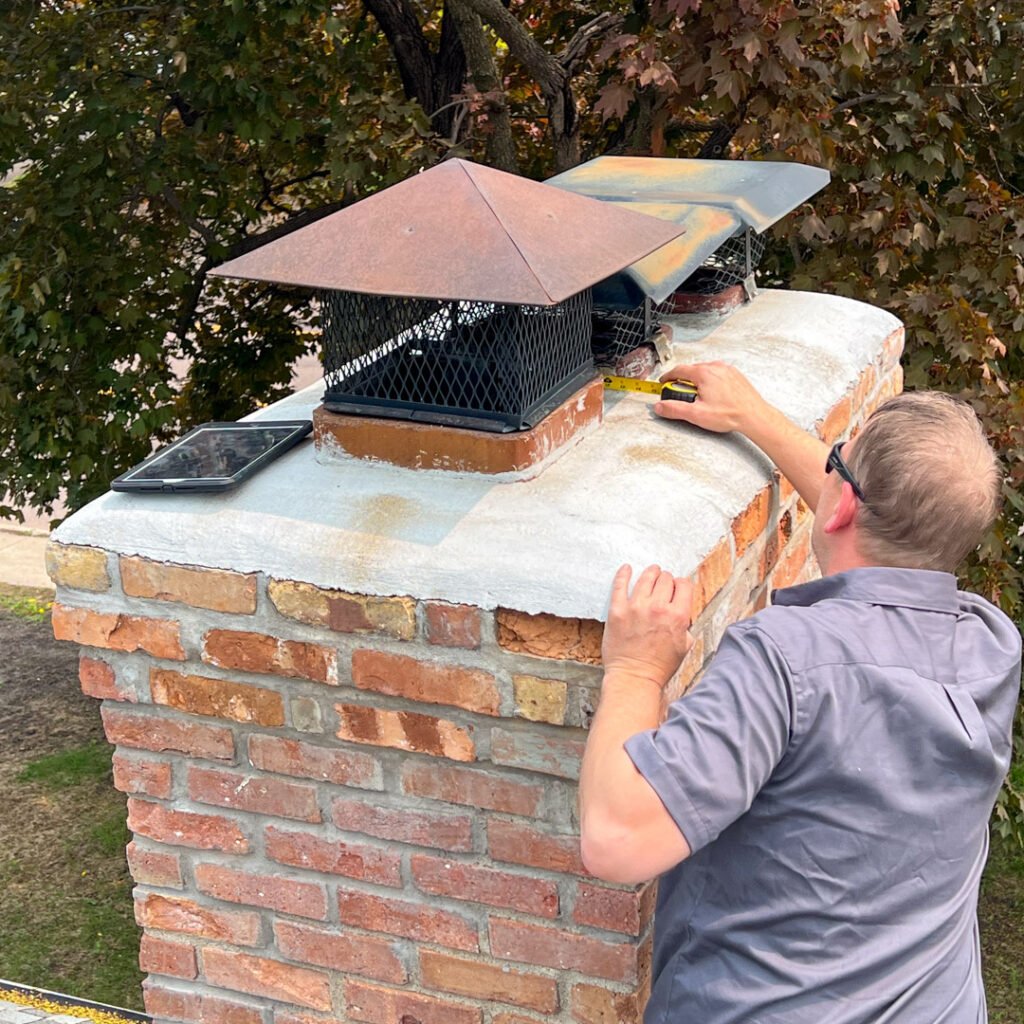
column 833, row 772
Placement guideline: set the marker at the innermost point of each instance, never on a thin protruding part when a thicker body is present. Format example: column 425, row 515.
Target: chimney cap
column 461, row 231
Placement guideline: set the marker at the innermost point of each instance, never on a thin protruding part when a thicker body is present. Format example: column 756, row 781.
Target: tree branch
column 576, row 48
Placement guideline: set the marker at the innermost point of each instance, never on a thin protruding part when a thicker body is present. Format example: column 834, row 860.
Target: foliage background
column 144, row 144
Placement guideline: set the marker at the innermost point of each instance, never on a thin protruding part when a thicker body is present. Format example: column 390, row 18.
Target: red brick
column 616, row 910
column 260, row 976
column 249, row 793
column 893, row 347
column 175, row 914
column 196, row 1008
column 216, row 698
column 550, row 636
column 283, row 1016
column 99, row 680
column 472, row 788
column 344, row 612
column 443, row 831
column 592, row 1004
column 152, row 867
column 487, row 981
column 514, row 1018
column 866, row 384
column 256, row 652
column 752, row 521
column 683, row 679
column 405, row 730
column 185, row 828
column 427, row 682
column 134, row 775
column 287, row 895
column 334, row 857
column 712, row 574
column 117, row 632
column 417, row 921
column 307, row 761
column 146, row 731
column 514, row 843
column 452, row 625
column 374, row 1004
column 461, row 881
column 552, row 753
column 835, row 423
column 160, row 956
column 793, row 560
column 215, row 589
column 549, row 946
column 350, row 954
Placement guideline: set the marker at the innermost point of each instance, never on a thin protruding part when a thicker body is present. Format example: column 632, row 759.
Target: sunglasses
column 835, row 461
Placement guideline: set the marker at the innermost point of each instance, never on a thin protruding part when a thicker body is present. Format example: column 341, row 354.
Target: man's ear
column 844, row 512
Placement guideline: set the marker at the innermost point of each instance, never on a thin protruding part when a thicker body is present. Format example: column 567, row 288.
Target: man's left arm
column 626, row 833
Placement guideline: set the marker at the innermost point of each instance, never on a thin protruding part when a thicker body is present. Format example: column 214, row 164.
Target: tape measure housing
column 673, row 391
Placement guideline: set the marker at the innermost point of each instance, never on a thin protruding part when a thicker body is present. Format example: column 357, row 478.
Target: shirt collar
column 924, row 589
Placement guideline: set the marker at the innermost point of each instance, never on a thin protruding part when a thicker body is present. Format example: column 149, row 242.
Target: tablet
column 214, row 457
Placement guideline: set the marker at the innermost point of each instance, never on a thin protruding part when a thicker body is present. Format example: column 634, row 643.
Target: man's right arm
column 728, row 401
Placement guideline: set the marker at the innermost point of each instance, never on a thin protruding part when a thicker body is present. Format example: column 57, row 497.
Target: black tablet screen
column 212, row 452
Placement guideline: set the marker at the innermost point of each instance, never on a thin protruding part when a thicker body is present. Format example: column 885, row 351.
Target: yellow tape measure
column 673, row 391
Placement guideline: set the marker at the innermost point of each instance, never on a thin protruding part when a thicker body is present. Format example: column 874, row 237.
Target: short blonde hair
column 931, row 480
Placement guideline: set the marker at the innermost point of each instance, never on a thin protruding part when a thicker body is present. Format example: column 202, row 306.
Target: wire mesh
column 617, row 332
column 482, row 365
column 729, row 264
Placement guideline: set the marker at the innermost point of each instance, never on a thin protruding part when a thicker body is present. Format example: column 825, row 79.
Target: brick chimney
column 349, row 700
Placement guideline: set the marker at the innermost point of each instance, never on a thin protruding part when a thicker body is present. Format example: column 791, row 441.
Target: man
column 818, row 804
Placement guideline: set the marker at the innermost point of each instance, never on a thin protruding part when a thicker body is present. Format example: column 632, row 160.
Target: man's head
column 931, row 483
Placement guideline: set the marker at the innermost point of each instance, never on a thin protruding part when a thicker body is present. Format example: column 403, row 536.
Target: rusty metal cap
column 461, row 231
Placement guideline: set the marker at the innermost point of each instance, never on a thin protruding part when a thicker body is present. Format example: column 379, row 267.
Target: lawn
column 65, row 893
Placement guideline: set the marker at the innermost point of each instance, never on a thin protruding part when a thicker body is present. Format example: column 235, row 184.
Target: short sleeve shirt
column 833, row 773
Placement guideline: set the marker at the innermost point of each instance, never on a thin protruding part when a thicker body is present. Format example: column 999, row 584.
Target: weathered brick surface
column 177, row 914
column 549, row 946
column 185, row 828
column 154, row 867
column 592, row 1004
column 79, row 568
column 615, row 910
column 424, row 681
column 306, row 714
column 552, row 754
column 118, row 632
column 540, row 700
column 145, row 731
column 214, row 589
column 196, row 1007
column 404, row 730
column 308, row 761
column 452, row 625
column 161, row 956
column 515, row 843
column 404, row 825
column 250, row 793
column 271, row 979
column 419, row 921
column 137, row 775
column 375, row 1004
column 836, row 422
column 335, row 857
column 487, row 981
column 216, row 698
column 792, row 562
column 471, row 788
column 343, row 612
column 712, row 574
column 287, row 895
column 99, row 680
column 550, row 636
column 752, row 521
column 345, row 952
column 257, row 652
column 461, row 881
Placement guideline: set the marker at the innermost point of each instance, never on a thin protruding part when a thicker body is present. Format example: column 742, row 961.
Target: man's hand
column 726, row 400
column 647, row 633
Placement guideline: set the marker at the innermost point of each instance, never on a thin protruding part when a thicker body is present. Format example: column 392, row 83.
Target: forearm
column 799, row 455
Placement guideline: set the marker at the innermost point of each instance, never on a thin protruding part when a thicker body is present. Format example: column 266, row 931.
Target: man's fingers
column 646, row 581
column 664, row 586
column 677, row 411
column 683, row 596
column 620, row 586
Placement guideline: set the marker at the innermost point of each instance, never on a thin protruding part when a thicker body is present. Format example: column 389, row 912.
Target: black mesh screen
column 473, row 364
column 729, row 264
column 617, row 332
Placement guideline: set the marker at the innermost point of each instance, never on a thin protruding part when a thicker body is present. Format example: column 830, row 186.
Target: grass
column 1001, row 913
column 33, row 608
column 69, row 768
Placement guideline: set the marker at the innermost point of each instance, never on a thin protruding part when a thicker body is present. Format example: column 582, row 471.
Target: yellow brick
column 343, row 612
column 215, row 589
column 540, row 700
column 77, row 567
